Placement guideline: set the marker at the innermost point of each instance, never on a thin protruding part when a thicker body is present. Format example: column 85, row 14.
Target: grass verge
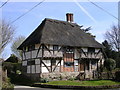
column 84, row 83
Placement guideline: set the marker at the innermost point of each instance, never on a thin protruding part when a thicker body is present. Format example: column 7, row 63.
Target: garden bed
column 96, row 84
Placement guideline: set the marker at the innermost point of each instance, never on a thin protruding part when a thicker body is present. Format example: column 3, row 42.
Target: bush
column 44, row 80
column 20, row 79
column 72, row 78
column 110, row 64
column 6, row 85
column 11, row 67
column 117, row 75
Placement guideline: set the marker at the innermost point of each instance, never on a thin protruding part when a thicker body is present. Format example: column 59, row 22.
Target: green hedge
column 20, row 79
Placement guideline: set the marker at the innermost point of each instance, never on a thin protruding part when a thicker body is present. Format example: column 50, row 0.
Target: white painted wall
column 76, row 54
column 85, row 49
column 40, row 53
column 24, row 63
column 57, row 62
column 28, row 69
column 47, row 62
column 75, row 62
column 37, row 68
column 28, row 55
column 44, row 70
column 23, row 56
column 34, row 53
column 33, row 68
column 62, row 62
column 97, row 50
column 37, row 61
column 83, row 55
column 51, row 47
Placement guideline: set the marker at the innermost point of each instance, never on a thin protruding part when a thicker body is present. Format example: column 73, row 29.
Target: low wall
column 60, row 76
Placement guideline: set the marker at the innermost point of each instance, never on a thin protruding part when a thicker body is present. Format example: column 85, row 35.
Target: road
column 20, row 87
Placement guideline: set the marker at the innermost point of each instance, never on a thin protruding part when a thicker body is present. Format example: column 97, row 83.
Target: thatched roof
column 63, row 33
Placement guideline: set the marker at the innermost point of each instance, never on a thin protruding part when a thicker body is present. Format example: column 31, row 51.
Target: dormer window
column 31, row 47
column 55, row 47
column 69, row 50
column 92, row 50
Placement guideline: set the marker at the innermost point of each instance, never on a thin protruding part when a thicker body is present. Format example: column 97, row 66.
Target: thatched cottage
column 60, row 47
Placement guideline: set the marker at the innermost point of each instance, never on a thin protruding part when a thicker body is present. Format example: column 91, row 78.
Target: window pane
column 55, row 47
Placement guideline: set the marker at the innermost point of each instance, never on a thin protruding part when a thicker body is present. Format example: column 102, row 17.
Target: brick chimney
column 69, row 17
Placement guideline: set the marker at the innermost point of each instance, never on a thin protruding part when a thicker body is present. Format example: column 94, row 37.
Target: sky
column 85, row 13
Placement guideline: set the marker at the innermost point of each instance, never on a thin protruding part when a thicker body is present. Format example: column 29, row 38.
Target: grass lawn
column 84, row 83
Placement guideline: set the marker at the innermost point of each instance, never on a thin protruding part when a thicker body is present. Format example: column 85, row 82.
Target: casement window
column 93, row 64
column 69, row 50
column 68, row 64
column 31, row 47
column 87, row 65
column 92, row 50
column 31, row 62
column 53, row 62
column 25, row 48
column 55, row 47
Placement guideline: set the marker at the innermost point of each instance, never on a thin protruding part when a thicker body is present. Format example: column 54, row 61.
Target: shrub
column 6, row 85
column 20, row 79
column 110, row 64
column 117, row 75
column 71, row 78
column 44, row 80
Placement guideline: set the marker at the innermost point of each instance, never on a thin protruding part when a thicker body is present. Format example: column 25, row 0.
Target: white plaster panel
column 75, row 62
column 47, row 54
column 57, row 62
column 76, row 54
column 37, row 68
column 33, row 68
column 85, row 49
column 34, row 53
column 40, row 53
column 47, row 46
column 28, row 69
column 23, row 56
column 96, row 50
column 37, row 46
column 62, row 62
column 24, row 63
column 99, row 55
column 51, row 47
column 82, row 55
column 76, row 68
column 47, row 62
column 28, row 55
column 37, row 61
column 60, row 54
column 56, row 54
column 44, row 70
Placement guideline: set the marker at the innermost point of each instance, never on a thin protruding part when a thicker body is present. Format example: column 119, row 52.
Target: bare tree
column 16, row 44
column 6, row 34
column 113, row 37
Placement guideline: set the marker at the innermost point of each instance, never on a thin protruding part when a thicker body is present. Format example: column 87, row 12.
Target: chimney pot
column 69, row 17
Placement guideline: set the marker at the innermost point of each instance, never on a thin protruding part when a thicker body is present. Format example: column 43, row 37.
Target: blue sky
column 99, row 20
